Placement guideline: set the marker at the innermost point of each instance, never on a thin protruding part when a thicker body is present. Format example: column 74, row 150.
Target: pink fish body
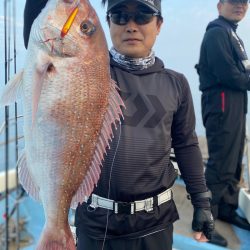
column 69, row 105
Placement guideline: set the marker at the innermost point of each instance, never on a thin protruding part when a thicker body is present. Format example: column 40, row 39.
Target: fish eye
column 87, row 28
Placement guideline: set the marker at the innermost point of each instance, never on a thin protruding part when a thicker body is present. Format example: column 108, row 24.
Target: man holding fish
column 131, row 206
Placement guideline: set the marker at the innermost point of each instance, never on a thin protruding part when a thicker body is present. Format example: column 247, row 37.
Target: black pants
column 162, row 240
column 224, row 117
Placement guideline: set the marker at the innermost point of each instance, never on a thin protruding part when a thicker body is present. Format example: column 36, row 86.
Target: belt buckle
column 122, row 207
column 149, row 205
column 94, row 201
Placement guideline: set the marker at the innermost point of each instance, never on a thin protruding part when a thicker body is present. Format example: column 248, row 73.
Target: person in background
column 224, row 74
column 132, row 206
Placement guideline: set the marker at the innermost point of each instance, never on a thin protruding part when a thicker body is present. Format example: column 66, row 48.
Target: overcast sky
column 178, row 44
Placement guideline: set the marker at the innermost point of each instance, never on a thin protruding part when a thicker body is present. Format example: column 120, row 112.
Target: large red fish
column 69, row 105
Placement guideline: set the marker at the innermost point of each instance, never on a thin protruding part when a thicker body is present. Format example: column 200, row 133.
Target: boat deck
column 238, row 239
column 32, row 220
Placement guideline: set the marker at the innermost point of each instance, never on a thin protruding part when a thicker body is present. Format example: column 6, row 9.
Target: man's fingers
column 197, row 235
column 200, row 237
column 209, row 230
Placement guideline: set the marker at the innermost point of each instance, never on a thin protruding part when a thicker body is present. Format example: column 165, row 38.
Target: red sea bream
column 69, row 106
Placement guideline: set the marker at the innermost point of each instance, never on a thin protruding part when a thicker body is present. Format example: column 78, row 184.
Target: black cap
column 154, row 5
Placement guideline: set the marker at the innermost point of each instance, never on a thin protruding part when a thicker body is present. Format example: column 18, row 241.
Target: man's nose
column 131, row 26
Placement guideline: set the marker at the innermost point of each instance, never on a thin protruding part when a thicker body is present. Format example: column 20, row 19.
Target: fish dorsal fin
column 112, row 115
column 12, row 90
column 25, row 177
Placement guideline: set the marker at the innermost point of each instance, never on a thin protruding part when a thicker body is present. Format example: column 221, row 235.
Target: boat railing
column 12, row 179
column 2, row 130
column 13, row 224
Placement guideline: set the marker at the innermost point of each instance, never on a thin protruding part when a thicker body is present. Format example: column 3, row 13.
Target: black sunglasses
column 140, row 18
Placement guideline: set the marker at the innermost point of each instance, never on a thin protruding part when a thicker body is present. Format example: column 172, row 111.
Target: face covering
column 131, row 63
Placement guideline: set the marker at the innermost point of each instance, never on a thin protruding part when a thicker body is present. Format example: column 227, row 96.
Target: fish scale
column 70, row 104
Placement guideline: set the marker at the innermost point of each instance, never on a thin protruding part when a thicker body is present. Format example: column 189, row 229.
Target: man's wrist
column 201, row 200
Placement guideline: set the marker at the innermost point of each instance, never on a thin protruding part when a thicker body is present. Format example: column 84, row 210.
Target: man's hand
column 203, row 224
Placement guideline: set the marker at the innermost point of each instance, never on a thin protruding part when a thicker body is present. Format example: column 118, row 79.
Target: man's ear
column 159, row 25
column 219, row 4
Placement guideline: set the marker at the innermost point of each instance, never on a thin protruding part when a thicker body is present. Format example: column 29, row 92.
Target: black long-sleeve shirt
column 159, row 115
column 219, row 63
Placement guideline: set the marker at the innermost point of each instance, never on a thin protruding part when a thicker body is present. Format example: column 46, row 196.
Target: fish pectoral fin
column 44, row 64
column 12, row 90
column 25, row 177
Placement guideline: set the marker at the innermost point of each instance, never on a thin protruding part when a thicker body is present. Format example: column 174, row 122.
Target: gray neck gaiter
column 131, row 63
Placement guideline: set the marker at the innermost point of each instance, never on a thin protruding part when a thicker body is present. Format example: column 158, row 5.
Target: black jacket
column 159, row 115
column 221, row 55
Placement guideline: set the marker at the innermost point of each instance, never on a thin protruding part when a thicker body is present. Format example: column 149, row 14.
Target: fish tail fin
column 12, row 90
column 53, row 239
